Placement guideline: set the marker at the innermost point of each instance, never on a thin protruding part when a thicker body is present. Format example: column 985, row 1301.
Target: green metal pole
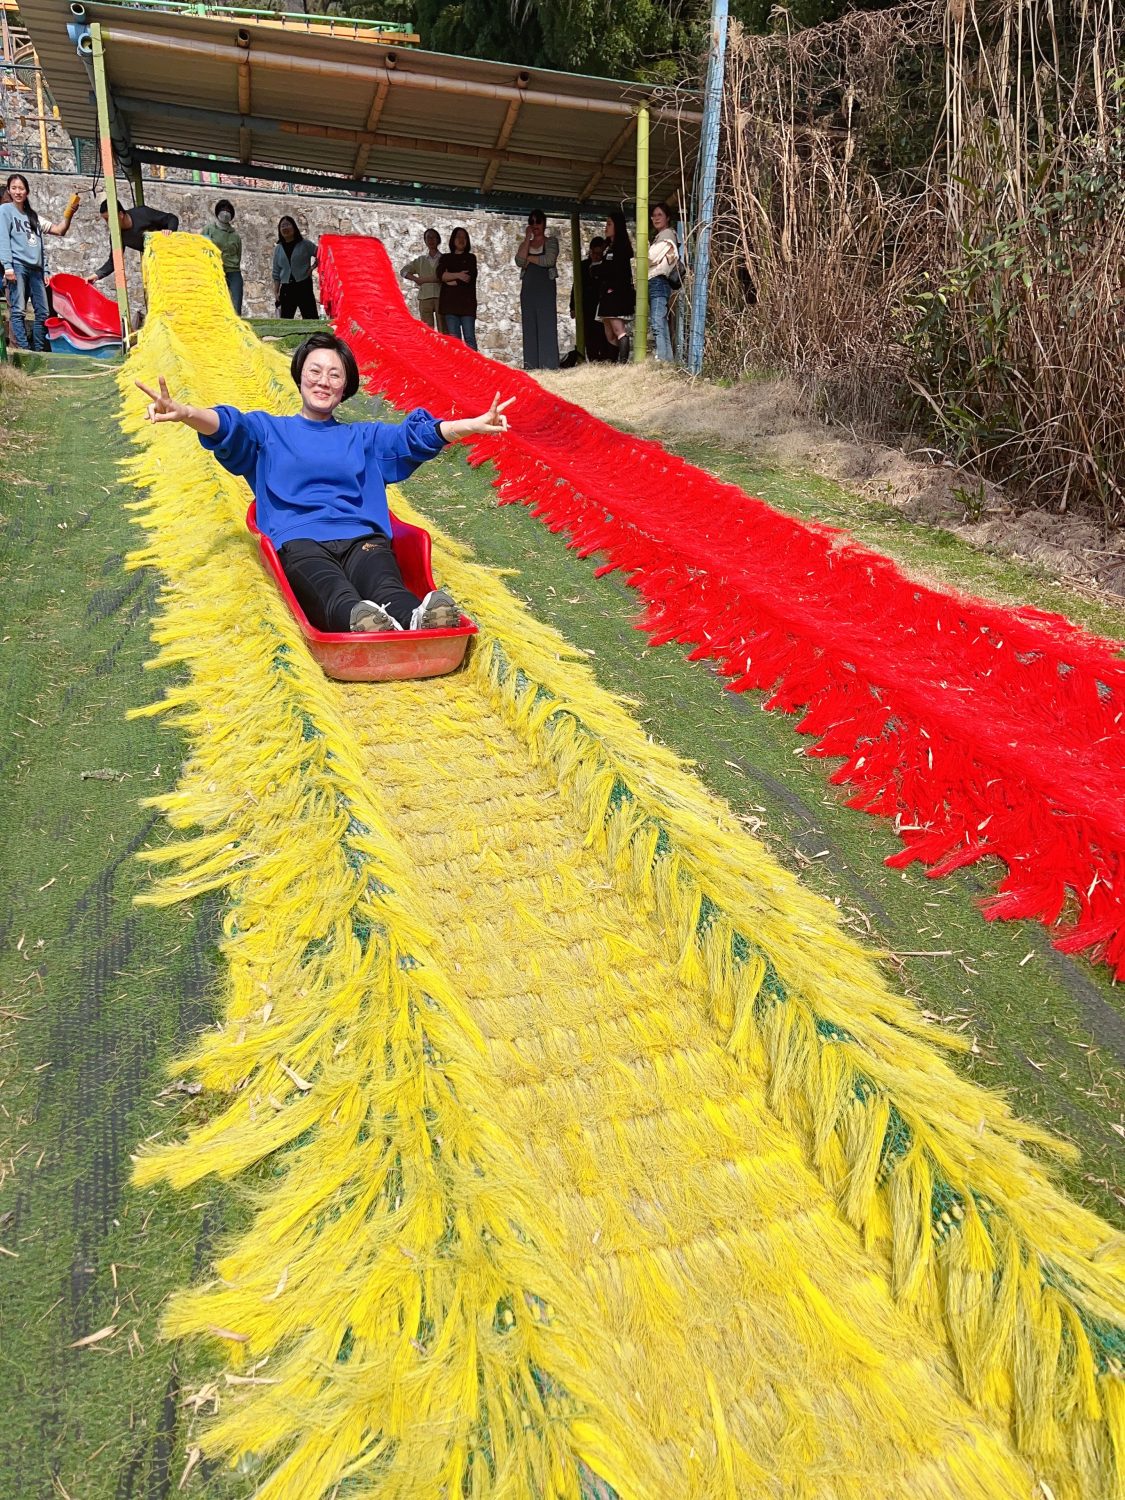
column 136, row 182
column 640, row 324
column 101, row 95
column 579, row 291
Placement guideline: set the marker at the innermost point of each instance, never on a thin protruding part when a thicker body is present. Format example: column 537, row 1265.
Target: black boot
column 624, row 345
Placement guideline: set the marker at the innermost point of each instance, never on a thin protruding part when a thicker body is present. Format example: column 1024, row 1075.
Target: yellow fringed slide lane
column 585, row 1148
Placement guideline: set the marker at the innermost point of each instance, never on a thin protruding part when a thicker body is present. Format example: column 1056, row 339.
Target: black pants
column 298, row 297
column 330, row 578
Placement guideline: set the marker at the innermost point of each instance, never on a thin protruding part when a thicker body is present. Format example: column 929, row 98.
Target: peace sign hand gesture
column 162, row 407
column 493, row 420
column 490, row 424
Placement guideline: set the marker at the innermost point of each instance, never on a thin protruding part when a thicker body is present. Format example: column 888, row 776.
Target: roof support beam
column 363, row 150
column 130, row 104
column 244, row 94
column 640, row 317
column 118, row 130
column 105, row 141
column 608, row 159
column 503, row 135
column 384, row 190
column 400, row 77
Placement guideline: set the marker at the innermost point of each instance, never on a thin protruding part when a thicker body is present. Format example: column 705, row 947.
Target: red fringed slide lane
column 979, row 730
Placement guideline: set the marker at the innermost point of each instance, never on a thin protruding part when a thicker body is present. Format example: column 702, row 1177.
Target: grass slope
column 94, row 993
column 1048, row 1029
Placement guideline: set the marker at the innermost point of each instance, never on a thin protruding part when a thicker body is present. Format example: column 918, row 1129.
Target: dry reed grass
column 923, row 219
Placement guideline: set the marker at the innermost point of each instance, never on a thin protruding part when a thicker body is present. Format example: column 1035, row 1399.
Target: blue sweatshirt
column 18, row 241
column 322, row 480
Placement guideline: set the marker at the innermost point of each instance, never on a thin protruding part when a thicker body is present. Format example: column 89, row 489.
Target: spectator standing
column 422, row 271
column 663, row 277
column 135, row 224
column 537, row 258
column 598, row 350
column 24, row 259
column 293, row 260
column 613, row 278
column 228, row 242
column 457, row 270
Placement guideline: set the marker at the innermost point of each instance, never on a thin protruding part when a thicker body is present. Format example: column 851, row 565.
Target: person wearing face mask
column 320, row 488
column 228, row 242
column 537, row 257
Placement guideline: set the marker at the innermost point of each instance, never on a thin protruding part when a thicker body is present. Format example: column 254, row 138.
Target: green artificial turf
column 286, row 333
column 1048, row 1029
column 95, row 994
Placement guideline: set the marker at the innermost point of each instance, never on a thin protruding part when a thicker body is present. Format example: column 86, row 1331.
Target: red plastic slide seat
column 83, row 306
column 385, row 655
column 60, row 327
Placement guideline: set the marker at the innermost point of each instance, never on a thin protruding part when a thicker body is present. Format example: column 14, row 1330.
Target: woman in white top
column 536, row 257
column 663, row 277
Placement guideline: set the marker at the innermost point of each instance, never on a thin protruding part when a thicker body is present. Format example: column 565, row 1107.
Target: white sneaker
column 369, row 617
column 437, row 611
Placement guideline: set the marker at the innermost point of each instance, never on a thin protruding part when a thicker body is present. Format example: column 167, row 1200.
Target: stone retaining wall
column 494, row 241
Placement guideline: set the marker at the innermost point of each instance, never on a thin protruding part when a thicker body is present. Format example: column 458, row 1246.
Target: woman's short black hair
column 288, row 218
column 537, row 216
column 327, row 341
column 453, row 233
column 224, row 203
column 668, row 211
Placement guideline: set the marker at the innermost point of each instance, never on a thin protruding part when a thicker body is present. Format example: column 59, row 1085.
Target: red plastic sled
column 385, row 655
column 85, row 307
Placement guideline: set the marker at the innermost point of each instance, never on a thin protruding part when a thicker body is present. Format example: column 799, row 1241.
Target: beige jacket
column 428, row 283
column 663, row 254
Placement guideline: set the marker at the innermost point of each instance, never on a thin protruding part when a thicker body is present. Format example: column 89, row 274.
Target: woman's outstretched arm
column 63, row 225
column 400, row 448
column 235, row 437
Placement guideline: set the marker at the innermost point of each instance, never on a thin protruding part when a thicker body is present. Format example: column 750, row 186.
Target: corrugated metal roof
column 400, row 119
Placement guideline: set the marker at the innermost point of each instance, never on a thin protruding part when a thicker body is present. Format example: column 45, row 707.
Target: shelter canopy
column 228, row 94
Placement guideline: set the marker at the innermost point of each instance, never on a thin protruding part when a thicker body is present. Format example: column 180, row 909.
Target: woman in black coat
column 613, row 278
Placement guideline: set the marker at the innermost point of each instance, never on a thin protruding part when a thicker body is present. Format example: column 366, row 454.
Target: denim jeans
column 462, row 328
column 29, row 282
column 659, row 295
column 234, row 287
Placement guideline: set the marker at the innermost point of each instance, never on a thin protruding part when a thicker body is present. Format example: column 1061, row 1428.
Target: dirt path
column 765, row 418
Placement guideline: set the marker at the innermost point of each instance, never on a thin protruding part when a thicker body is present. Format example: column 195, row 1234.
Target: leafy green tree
column 646, row 39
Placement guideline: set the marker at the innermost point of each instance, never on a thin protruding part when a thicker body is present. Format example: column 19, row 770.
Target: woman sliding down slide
column 320, row 488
